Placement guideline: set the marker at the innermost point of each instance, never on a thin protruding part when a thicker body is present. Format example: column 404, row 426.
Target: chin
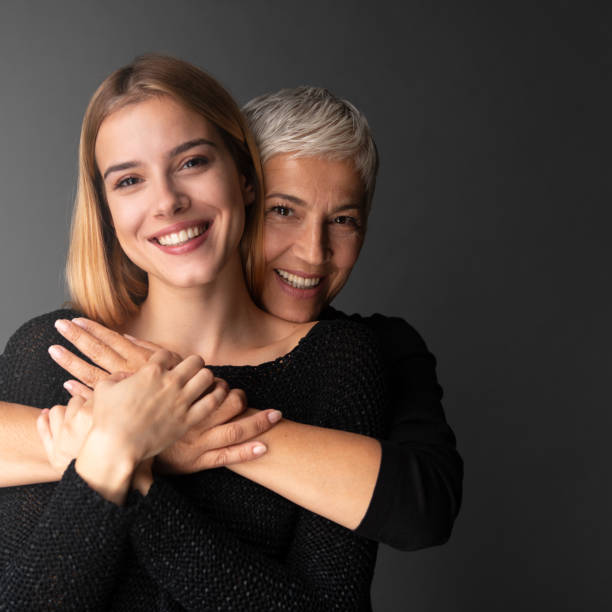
column 296, row 314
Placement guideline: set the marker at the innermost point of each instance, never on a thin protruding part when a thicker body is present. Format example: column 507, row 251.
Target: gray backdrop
column 489, row 233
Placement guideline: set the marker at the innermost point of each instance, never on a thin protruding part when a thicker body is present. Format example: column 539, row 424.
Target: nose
column 168, row 199
column 313, row 245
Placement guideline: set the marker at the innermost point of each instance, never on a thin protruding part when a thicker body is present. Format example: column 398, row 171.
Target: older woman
column 403, row 489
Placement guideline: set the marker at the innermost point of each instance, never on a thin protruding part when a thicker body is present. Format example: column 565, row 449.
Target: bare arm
column 22, row 457
column 329, row 472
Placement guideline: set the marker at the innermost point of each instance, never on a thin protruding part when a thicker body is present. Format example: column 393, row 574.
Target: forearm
column 22, row 457
column 62, row 547
column 329, row 472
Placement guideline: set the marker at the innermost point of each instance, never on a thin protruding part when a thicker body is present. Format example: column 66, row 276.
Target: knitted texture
column 206, row 541
column 419, row 485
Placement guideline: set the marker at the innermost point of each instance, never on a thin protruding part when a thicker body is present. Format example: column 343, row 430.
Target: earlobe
column 248, row 192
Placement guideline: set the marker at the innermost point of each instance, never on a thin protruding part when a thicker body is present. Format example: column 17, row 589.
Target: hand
column 141, row 415
column 110, row 350
column 63, row 429
column 218, row 441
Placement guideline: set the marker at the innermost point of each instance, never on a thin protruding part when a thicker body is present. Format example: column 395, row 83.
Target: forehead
column 153, row 125
column 314, row 179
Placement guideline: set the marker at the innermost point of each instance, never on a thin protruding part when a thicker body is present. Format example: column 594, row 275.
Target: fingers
column 57, row 415
column 150, row 347
column 191, row 368
column 74, row 405
column 234, row 404
column 110, row 380
column 204, row 382
column 128, row 350
column 100, row 352
column 74, row 387
column 242, row 429
column 165, row 359
column 208, row 407
column 77, row 367
column 231, row 455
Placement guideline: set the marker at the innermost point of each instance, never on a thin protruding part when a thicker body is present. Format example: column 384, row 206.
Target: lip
column 302, row 274
column 186, row 247
column 177, row 227
column 303, row 294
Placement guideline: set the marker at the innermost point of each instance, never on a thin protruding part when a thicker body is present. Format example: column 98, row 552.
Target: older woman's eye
column 283, row 211
column 351, row 222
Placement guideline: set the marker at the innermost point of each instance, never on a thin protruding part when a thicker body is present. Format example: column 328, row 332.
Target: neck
column 213, row 320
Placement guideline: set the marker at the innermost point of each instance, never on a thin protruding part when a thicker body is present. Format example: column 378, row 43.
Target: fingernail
column 275, row 416
column 62, row 325
column 79, row 322
column 67, row 385
column 55, row 351
column 259, row 449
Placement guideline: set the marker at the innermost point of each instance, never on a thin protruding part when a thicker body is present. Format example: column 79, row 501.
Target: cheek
column 347, row 251
column 276, row 241
column 126, row 221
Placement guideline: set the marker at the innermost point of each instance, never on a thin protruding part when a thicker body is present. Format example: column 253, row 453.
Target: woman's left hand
column 63, row 430
column 110, row 350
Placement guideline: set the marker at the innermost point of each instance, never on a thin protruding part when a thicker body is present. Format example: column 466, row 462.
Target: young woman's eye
column 195, row 161
column 128, row 181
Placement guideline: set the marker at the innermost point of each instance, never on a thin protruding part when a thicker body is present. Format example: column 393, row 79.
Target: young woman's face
column 175, row 196
column 313, row 231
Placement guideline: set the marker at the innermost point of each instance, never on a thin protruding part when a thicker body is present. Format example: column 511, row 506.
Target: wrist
column 105, row 466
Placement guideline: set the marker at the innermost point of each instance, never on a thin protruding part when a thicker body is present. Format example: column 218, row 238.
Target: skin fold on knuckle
column 234, row 433
column 221, row 458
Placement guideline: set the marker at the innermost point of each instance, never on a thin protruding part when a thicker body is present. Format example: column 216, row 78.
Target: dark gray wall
column 489, row 232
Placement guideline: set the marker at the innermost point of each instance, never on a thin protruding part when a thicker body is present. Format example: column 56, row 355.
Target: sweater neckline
column 274, row 362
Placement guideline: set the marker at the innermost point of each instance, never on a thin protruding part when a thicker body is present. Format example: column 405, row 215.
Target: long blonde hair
column 104, row 284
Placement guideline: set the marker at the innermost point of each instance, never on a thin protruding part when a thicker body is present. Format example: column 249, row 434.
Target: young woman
column 167, row 171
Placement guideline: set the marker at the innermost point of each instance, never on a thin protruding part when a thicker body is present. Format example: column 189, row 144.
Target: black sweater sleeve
column 28, row 375
column 327, row 567
column 61, row 544
column 61, row 548
column 418, row 491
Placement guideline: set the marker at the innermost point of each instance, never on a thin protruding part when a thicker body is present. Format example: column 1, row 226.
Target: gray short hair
column 312, row 122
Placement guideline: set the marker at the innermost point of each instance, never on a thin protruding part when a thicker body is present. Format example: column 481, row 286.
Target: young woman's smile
column 174, row 193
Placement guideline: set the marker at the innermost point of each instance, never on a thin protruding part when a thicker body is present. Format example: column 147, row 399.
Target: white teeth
column 182, row 236
column 299, row 282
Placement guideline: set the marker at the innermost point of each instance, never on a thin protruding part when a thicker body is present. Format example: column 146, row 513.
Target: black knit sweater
column 207, row 541
column 419, row 485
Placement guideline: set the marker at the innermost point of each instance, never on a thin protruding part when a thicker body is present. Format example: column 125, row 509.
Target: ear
column 248, row 191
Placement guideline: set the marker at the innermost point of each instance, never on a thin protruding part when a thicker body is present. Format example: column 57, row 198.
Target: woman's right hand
column 135, row 418
column 149, row 410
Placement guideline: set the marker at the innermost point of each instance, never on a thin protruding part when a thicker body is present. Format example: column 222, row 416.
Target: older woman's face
column 313, row 232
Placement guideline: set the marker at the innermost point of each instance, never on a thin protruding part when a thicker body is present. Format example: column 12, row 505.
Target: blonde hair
column 313, row 122
column 104, row 284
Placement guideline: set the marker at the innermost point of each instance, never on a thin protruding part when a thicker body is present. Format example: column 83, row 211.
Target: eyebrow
column 300, row 202
column 190, row 144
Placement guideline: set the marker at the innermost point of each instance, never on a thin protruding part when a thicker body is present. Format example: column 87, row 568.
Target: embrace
column 207, row 244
